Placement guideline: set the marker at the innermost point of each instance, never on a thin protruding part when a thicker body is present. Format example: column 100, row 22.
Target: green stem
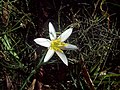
column 33, row 72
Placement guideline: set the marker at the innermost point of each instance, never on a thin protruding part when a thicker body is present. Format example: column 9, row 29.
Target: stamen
column 57, row 45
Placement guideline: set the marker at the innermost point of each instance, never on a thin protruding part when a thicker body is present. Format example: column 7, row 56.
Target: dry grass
column 94, row 66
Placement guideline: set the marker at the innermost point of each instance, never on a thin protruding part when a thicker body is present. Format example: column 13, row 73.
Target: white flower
column 56, row 45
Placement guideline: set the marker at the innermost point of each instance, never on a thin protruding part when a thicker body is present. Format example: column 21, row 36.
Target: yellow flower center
column 57, row 45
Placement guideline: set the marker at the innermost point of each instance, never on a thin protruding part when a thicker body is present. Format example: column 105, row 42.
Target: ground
column 94, row 66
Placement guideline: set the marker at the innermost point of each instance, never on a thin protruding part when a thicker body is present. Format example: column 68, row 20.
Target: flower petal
column 65, row 34
column 43, row 42
column 48, row 55
column 52, row 32
column 62, row 57
column 70, row 47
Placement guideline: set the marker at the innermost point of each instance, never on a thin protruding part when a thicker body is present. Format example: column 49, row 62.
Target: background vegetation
column 94, row 66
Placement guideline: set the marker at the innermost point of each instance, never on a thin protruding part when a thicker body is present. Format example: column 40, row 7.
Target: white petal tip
column 66, row 64
column 52, row 32
column 48, row 55
column 43, row 42
column 71, row 47
column 64, row 36
column 62, row 57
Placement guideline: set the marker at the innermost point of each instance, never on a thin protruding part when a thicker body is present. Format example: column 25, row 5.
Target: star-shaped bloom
column 56, row 44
